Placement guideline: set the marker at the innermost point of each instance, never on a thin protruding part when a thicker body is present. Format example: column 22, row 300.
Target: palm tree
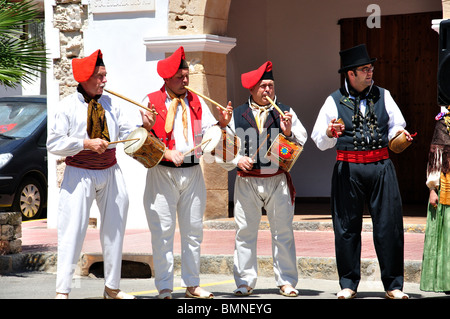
column 21, row 56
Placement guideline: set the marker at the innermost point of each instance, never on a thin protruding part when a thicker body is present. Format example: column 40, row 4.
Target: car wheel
column 29, row 199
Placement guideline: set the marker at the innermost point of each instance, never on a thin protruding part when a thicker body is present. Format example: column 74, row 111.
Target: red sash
column 363, row 156
column 92, row 160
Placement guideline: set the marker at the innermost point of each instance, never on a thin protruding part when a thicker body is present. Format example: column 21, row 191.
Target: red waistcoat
column 158, row 99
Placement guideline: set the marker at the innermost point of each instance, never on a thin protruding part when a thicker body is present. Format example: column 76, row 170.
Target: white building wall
column 131, row 71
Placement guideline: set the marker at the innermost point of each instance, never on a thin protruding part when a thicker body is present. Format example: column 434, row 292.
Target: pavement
column 314, row 248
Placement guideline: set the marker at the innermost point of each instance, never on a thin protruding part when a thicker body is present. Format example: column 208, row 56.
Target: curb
column 221, row 224
column 308, row 267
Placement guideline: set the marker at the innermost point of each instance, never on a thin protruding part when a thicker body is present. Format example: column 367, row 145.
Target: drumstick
column 262, row 143
column 275, row 106
column 131, row 101
column 123, row 141
column 188, row 152
column 206, row 98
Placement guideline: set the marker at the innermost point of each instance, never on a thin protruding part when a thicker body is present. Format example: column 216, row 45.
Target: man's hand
column 225, row 115
column 408, row 135
column 335, row 129
column 286, row 123
column 96, row 145
column 245, row 163
column 174, row 156
column 148, row 118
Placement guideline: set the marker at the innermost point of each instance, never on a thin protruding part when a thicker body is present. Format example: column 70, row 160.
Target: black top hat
column 354, row 57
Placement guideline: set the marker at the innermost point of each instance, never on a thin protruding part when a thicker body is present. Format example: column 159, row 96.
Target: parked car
column 23, row 155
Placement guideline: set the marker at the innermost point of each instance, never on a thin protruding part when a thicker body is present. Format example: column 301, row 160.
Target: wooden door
column 406, row 49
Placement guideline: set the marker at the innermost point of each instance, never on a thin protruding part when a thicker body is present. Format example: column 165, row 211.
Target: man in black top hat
column 360, row 119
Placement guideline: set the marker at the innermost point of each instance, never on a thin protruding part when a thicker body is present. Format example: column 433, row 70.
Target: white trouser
column 250, row 195
column 78, row 190
column 170, row 191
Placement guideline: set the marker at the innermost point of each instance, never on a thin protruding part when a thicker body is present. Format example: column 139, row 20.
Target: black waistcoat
column 247, row 130
column 363, row 132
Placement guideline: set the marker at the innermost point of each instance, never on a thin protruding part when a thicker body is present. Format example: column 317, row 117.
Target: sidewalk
column 313, row 235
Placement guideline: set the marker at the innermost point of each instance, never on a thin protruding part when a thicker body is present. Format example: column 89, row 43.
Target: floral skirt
column 436, row 252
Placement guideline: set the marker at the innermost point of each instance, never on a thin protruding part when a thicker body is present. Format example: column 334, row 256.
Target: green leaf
column 21, row 56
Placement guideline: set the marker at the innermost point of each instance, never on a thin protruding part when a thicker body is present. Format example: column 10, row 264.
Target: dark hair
column 346, row 72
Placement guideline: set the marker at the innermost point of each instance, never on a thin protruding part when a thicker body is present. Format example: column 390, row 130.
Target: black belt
column 189, row 162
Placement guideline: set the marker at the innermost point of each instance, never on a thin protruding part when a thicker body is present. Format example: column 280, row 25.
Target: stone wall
column 10, row 233
column 198, row 16
column 446, row 9
column 208, row 76
column 69, row 17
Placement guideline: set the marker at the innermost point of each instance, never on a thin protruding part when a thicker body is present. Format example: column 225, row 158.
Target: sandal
column 109, row 293
column 203, row 294
column 288, row 291
column 346, row 293
column 396, row 294
column 165, row 294
column 243, row 291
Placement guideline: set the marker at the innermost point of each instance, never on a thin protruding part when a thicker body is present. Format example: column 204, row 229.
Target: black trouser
column 353, row 185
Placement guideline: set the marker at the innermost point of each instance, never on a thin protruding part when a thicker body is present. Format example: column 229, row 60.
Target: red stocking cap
column 168, row 67
column 84, row 68
column 250, row 79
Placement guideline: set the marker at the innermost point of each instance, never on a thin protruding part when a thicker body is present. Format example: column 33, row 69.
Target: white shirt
column 67, row 130
column 329, row 111
column 208, row 120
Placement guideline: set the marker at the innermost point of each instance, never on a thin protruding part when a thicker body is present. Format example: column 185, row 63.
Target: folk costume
column 363, row 173
column 89, row 176
column 435, row 274
column 172, row 190
column 265, row 186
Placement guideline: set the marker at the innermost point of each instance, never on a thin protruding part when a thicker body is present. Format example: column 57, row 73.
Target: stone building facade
column 10, row 233
column 446, row 9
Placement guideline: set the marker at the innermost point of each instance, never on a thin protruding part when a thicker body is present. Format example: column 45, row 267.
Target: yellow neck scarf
column 97, row 127
column 176, row 100
column 261, row 115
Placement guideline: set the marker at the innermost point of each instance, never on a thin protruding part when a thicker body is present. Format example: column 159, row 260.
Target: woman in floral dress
column 436, row 254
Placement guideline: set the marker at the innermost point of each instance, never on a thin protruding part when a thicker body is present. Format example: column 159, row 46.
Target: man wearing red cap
column 262, row 184
column 84, row 124
column 175, row 186
column 363, row 174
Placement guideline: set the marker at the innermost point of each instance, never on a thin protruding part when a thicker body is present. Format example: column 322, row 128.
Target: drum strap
column 258, row 173
column 189, row 162
column 92, row 160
